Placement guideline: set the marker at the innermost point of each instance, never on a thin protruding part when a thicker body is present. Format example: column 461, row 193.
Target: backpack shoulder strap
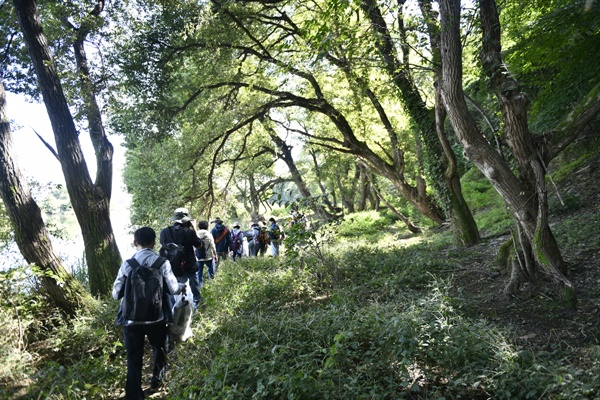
column 133, row 263
column 158, row 263
column 225, row 231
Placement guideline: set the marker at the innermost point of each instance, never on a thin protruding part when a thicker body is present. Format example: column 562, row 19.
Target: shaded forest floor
column 538, row 315
column 354, row 305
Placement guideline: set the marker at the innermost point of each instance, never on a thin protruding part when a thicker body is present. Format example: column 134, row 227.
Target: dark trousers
column 134, row 346
column 211, row 270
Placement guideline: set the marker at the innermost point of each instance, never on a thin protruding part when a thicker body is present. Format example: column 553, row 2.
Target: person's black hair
column 203, row 225
column 144, row 236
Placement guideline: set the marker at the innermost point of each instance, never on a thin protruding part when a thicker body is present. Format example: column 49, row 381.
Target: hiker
column 135, row 331
column 183, row 234
column 251, row 239
column 261, row 239
column 222, row 240
column 209, row 258
column 237, row 241
column 275, row 236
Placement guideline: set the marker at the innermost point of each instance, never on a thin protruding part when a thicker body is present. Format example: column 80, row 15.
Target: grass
column 375, row 316
column 362, row 323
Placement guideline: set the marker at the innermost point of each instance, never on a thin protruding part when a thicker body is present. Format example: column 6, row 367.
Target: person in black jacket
column 183, row 233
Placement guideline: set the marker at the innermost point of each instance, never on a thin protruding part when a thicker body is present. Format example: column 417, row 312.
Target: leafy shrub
column 364, row 223
column 345, row 349
column 84, row 356
column 579, row 233
column 567, row 203
column 19, row 312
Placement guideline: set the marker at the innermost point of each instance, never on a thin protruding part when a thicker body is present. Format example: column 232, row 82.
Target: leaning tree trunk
column 463, row 222
column 90, row 201
column 439, row 159
column 524, row 195
column 286, row 155
column 30, row 231
column 324, row 192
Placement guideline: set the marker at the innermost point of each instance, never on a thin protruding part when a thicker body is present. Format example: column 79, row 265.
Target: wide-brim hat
column 216, row 221
column 236, row 224
column 181, row 215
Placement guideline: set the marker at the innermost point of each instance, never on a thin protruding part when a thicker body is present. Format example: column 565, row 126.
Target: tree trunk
column 346, row 194
column 439, row 159
column 286, row 156
column 30, row 231
column 416, row 195
column 324, row 193
column 525, row 195
column 364, row 187
column 393, row 209
column 462, row 220
column 90, row 202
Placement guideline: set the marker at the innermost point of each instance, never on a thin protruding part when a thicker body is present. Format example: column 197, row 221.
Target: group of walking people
column 207, row 248
column 198, row 247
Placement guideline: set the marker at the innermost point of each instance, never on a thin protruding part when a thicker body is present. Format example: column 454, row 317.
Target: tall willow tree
column 524, row 189
column 90, row 199
column 30, row 233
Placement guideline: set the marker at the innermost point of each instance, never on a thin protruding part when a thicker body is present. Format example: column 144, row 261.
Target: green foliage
column 574, row 233
column 86, row 351
column 365, row 223
column 377, row 319
column 488, row 208
column 5, row 227
column 566, row 169
column 554, row 52
column 18, row 312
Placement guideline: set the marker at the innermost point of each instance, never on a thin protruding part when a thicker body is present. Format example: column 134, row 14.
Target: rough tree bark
column 29, row 229
column 286, row 155
column 461, row 217
column 440, row 158
column 324, row 192
column 90, row 201
column 525, row 193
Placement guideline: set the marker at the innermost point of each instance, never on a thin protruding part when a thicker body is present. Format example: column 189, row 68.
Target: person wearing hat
column 182, row 233
column 222, row 237
column 275, row 236
column 260, row 237
column 237, row 241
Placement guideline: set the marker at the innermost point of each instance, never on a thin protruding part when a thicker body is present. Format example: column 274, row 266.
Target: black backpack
column 201, row 250
column 173, row 252
column 143, row 295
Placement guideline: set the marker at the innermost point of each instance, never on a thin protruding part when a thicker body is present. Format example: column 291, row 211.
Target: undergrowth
column 339, row 316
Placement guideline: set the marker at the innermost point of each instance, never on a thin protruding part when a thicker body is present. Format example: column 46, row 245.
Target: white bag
column 183, row 309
